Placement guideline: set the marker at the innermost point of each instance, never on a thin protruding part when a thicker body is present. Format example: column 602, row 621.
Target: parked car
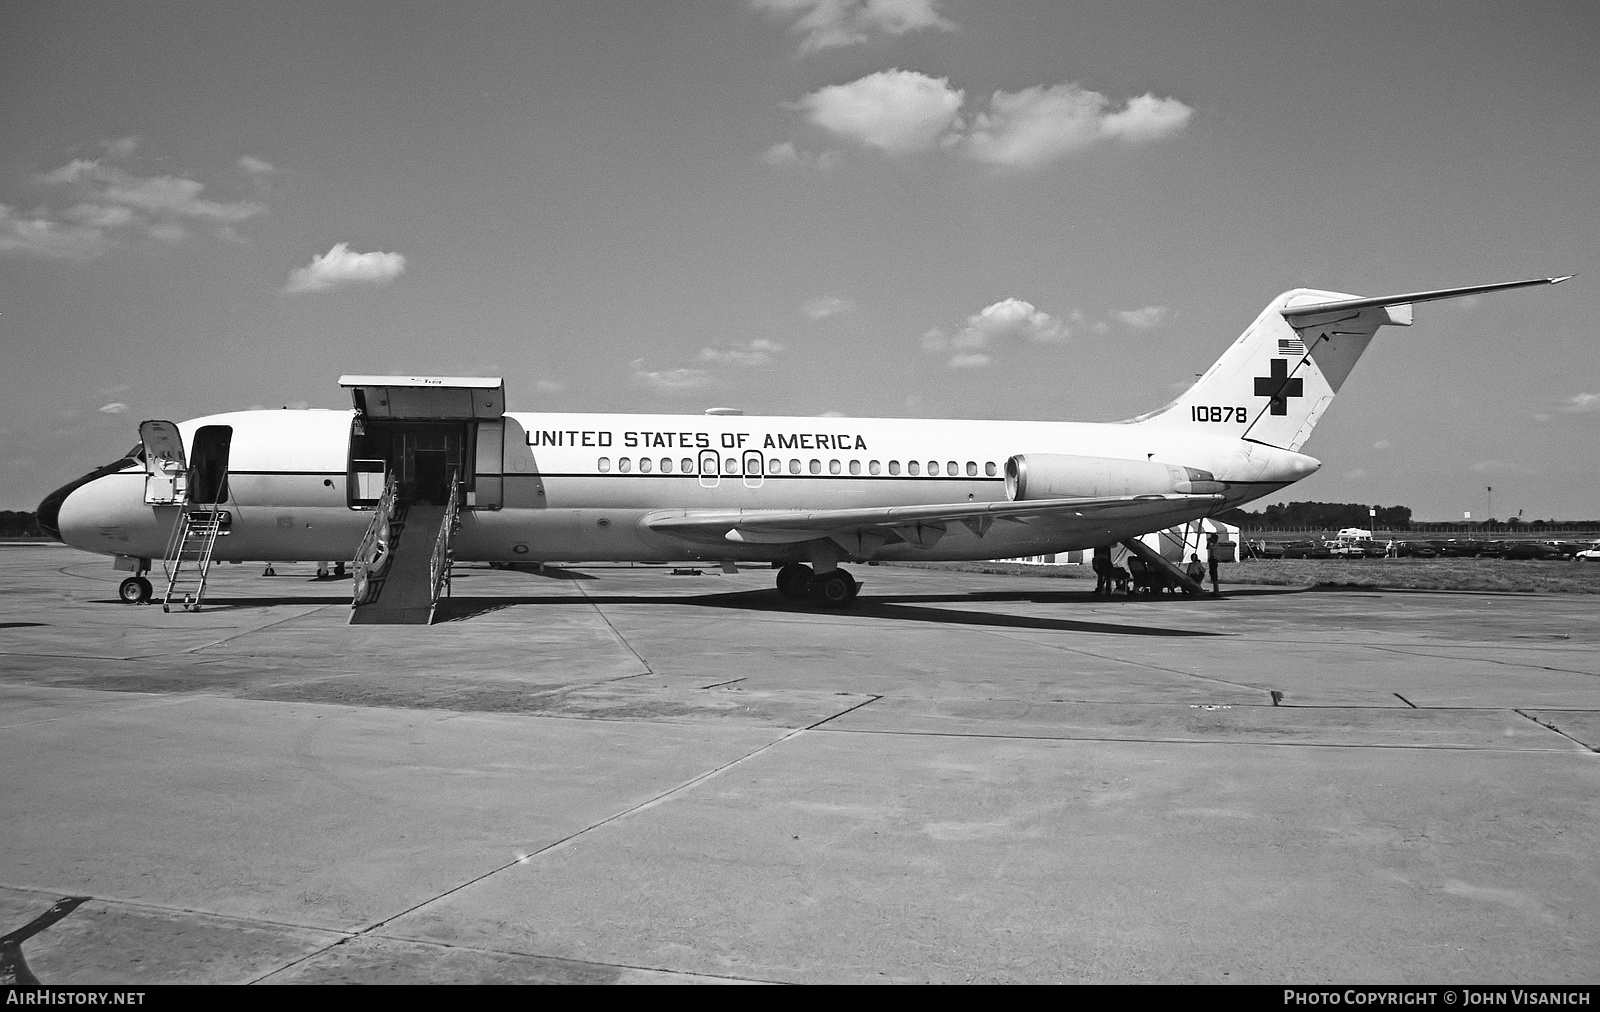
column 1416, row 550
column 1530, row 550
column 1590, row 554
column 1313, row 549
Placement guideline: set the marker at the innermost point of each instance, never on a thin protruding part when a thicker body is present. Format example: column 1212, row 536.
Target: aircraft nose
column 49, row 512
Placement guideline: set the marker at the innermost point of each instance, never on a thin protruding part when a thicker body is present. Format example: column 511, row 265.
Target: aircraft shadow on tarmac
column 900, row 607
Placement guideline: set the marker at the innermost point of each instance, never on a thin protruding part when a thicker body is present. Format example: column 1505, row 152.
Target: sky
column 907, row 208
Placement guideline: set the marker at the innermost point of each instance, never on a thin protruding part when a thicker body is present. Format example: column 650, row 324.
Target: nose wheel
column 135, row 590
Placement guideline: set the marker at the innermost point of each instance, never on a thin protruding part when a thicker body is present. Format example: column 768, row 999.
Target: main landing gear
column 835, row 589
column 135, row 590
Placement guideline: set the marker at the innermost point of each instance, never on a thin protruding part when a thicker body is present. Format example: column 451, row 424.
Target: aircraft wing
column 920, row 525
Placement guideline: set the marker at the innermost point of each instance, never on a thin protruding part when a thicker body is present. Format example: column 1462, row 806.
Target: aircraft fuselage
column 574, row 487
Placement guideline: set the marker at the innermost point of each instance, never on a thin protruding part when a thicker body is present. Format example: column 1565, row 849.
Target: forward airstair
column 402, row 568
column 1174, row 573
column 188, row 558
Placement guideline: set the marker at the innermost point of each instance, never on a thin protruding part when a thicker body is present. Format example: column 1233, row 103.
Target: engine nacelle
column 1069, row 476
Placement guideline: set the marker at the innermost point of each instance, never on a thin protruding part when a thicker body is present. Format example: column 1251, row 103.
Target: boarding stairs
column 1173, row 572
column 188, row 558
column 402, row 568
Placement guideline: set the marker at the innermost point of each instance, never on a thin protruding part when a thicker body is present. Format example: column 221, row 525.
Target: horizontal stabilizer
column 1299, row 315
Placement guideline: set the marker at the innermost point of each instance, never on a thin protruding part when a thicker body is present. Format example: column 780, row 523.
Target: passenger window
column 605, row 464
column 731, row 465
column 794, row 466
column 894, row 467
column 624, row 464
column 972, row 469
column 874, row 467
column 933, row 467
column 686, row 465
column 912, row 467
column 666, row 465
column 952, row 469
column 774, row 466
column 855, row 467
column 644, row 465
column 833, row 467
column 816, row 466
column 988, row 468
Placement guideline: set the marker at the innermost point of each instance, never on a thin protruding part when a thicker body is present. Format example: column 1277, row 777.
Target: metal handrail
column 180, row 542
column 443, row 553
column 372, row 556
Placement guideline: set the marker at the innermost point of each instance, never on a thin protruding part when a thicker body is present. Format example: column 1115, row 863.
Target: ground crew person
column 1211, row 562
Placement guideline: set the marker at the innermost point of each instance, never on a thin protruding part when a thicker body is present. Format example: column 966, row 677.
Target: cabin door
column 166, row 481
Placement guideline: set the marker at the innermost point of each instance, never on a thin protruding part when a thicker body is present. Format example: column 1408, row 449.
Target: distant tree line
column 1331, row 516
column 1322, row 515
column 18, row 524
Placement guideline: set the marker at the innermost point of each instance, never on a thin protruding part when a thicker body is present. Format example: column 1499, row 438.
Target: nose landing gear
column 135, row 590
column 835, row 589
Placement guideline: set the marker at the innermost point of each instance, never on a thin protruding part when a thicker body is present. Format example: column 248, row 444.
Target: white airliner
column 804, row 494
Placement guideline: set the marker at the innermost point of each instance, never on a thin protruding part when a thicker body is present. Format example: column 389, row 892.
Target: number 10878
column 1214, row 413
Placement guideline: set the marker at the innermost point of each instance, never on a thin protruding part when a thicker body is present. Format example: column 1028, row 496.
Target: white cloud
column 120, row 149
column 825, row 24
column 672, row 381
column 1493, row 467
column 114, row 408
column 256, row 166
column 1357, row 473
column 105, row 205
column 826, row 306
column 1583, row 403
column 1006, row 320
column 903, row 112
column 900, row 112
column 545, row 386
column 1148, row 318
column 787, row 156
column 969, row 360
column 157, row 196
column 1010, row 318
column 1382, row 444
column 40, row 236
column 1026, row 128
column 340, row 268
column 757, row 352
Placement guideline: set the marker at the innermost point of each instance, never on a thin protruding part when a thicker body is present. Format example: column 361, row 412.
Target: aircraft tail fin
column 1274, row 383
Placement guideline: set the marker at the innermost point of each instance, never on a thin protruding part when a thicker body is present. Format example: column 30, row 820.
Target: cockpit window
column 136, row 454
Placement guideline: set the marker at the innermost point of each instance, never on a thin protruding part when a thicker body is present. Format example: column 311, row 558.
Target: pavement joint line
column 1123, row 660
column 620, row 638
column 1489, row 660
column 562, row 843
column 1557, row 730
column 1405, row 700
column 731, row 681
column 167, row 908
column 486, row 950
column 161, row 699
column 1195, row 741
column 643, row 806
column 256, row 629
